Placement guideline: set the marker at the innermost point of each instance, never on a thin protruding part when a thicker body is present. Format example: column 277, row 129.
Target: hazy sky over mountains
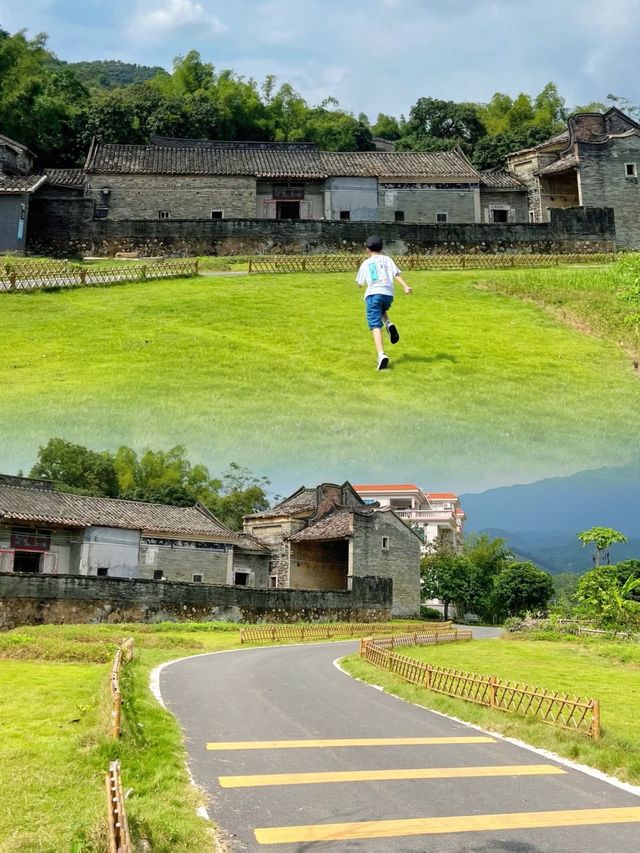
column 372, row 55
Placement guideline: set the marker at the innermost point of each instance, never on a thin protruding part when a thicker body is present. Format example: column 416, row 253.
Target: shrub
column 430, row 613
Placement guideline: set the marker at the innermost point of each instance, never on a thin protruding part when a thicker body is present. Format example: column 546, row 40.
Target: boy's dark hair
column 374, row 243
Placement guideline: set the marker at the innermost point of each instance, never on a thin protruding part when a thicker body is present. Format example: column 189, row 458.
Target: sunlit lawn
column 278, row 373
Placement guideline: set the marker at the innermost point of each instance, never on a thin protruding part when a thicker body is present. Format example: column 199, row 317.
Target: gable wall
column 401, row 562
column 603, row 182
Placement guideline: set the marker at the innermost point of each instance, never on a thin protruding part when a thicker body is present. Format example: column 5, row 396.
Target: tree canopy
column 56, row 108
column 154, row 476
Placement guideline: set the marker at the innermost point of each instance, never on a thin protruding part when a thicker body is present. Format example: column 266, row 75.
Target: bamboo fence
column 123, row 655
column 260, row 633
column 58, row 275
column 350, row 263
column 553, row 708
column 119, row 837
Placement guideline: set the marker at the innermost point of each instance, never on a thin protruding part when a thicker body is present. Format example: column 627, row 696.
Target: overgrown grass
column 278, row 373
column 602, row 670
column 587, row 298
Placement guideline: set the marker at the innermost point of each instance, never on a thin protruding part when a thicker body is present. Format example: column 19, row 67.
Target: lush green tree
column 602, row 538
column 76, row 469
column 448, row 120
column 488, row 557
column 448, row 576
column 492, row 151
column 387, row 127
column 522, row 586
column 607, row 599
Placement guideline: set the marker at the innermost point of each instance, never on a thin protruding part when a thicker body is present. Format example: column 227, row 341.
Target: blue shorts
column 376, row 305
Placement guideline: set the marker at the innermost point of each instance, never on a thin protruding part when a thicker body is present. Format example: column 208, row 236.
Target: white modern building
column 437, row 516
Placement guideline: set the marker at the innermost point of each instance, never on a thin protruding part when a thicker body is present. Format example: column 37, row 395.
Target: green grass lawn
column 277, row 373
column 56, row 748
column 601, row 669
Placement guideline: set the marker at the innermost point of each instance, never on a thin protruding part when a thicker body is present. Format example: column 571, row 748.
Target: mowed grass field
column 278, row 373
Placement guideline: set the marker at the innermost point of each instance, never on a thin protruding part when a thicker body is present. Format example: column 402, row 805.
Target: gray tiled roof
column 561, row 165
column 304, row 500
column 276, row 163
column 65, row 177
column 43, row 506
column 17, row 184
column 553, row 142
column 335, row 525
column 500, row 179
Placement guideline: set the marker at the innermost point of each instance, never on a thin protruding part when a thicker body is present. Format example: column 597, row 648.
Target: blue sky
column 372, row 55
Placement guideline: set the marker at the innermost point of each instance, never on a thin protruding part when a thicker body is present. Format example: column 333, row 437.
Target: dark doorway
column 288, row 210
column 27, row 561
column 500, row 215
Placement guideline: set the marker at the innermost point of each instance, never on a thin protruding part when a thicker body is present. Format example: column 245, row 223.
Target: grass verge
column 602, row 670
column 55, row 702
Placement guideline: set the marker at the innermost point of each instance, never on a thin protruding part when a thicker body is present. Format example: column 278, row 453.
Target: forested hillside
column 56, row 108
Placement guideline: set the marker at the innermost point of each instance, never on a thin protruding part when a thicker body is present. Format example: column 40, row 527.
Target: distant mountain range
column 540, row 520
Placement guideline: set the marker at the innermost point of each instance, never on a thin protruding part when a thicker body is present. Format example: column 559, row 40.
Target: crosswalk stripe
column 441, row 825
column 383, row 775
column 337, row 742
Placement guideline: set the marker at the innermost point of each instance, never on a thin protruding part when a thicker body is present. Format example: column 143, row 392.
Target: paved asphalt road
column 454, row 795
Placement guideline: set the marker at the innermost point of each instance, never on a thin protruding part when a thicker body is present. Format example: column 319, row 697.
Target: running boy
column 378, row 272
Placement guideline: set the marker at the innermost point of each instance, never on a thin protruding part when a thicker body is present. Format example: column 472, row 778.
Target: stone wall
column 62, row 599
column 603, row 180
column 400, row 561
column 66, row 228
column 175, row 196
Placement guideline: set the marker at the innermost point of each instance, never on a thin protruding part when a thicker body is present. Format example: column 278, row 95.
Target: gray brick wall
column 401, row 562
column 183, row 196
column 604, row 183
column 180, row 564
column 422, row 205
column 517, row 201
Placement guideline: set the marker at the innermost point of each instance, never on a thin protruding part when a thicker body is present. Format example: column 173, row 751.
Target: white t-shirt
column 378, row 273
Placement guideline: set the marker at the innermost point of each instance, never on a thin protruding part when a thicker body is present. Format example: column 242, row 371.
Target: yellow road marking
column 441, row 825
column 309, row 744
column 382, row 775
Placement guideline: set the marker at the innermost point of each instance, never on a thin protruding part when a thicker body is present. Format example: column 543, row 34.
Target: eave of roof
column 19, row 184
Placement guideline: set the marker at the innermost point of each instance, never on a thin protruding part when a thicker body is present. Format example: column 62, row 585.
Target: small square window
column 164, row 214
column 345, row 214
column 197, row 578
column 217, row 214
column 102, row 571
column 399, row 216
column 158, row 575
column 631, row 170
column 442, row 217
column 385, row 543
column 273, row 581
column 241, row 579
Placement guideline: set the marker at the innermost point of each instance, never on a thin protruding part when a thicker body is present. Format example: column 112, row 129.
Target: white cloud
column 155, row 22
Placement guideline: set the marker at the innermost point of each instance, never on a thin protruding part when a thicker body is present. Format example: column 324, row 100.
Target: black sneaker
column 394, row 335
column 383, row 361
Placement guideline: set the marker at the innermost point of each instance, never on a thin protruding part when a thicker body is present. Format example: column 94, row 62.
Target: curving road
column 429, row 784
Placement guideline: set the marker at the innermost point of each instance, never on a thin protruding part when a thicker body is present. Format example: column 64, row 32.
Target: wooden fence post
column 196, row 270
column 492, row 690
column 595, row 721
column 12, row 279
column 250, row 265
column 273, row 634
